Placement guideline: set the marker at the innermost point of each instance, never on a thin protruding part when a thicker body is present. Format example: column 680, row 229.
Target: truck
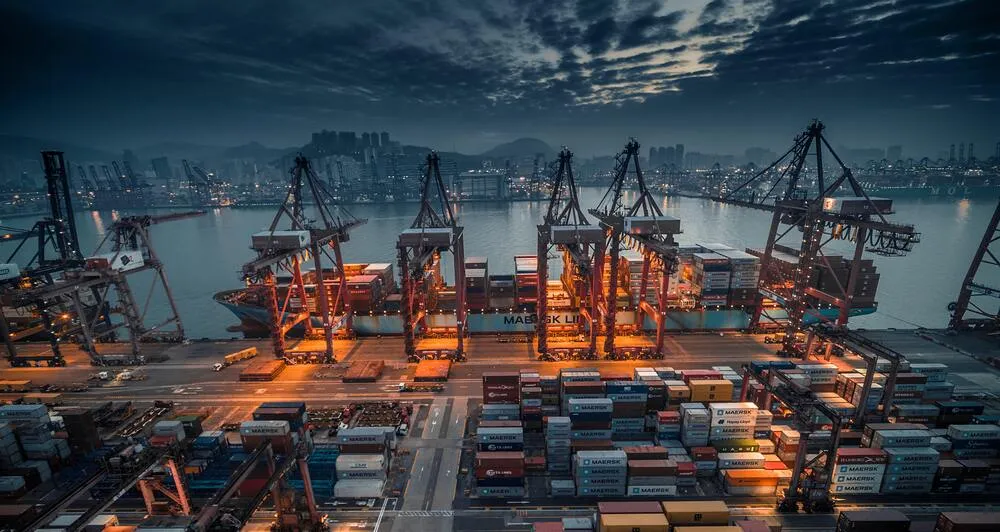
column 406, row 387
column 232, row 358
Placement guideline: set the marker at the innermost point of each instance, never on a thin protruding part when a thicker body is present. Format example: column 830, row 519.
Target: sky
column 716, row 75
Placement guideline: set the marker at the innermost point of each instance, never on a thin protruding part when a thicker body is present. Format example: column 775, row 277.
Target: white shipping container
column 847, row 489
column 264, row 428
column 974, row 432
column 358, row 488
column 651, row 491
column 351, row 462
column 741, row 460
column 279, row 240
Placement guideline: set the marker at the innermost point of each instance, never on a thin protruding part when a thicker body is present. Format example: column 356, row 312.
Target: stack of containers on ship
column 600, row 473
column 711, row 279
column 744, row 276
column 477, row 283
column 525, row 280
column 629, row 400
column 911, row 462
column 651, row 473
column 362, row 465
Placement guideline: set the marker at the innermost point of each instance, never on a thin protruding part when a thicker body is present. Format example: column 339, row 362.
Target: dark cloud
column 112, row 74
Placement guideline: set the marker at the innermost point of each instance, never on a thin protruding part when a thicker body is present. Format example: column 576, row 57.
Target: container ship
column 712, row 289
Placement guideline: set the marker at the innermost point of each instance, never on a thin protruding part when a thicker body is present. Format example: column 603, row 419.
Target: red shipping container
column 704, row 453
column 608, row 376
column 362, row 448
column 701, row 374
column 162, row 440
column 668, row 417
column 511, row 423
column 501, row 394
column 591, row 445
column 646, row 453
column 501, row 377
column 534, row 463
column 685, row 469
column 499, row 472
column 500, row 459
column 775, row 466
column 582, row 387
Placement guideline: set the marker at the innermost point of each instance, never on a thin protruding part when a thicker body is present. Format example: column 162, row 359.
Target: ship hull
column 254, row 320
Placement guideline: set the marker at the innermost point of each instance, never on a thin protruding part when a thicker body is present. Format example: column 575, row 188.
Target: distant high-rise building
column 384, row 140
column 972, row 153
column 997, row 152
column 894, row 153
column 366, row 140
column 347, row 142
column 162, row 168
column 654, row 156
column 679, row 155
column 961, row 152
column 374, row 137
column 951, row 157
column 668, row 156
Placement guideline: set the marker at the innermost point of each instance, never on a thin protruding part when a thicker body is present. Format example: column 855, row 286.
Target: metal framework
column 973, row 286
column 812, row 490
column 101, row 290
column 435, row 229
column 153, row 484
column 644, row 227
column 289, row 307
column 582, row 246
column 199, row 185
column 809, row 210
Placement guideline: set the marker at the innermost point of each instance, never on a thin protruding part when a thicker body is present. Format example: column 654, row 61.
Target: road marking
column 261, row 391
column 380, row 514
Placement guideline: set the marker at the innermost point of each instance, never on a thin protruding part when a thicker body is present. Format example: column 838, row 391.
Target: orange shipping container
column 707, row 529
column 681, row 513
column 751, row 477
column 710, row 390
column 633, row 523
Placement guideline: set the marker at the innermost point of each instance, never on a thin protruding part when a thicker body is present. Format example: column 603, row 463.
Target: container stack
column 557, row 444
column 10, row 453
column 915, row 413
column 477, row 294
column 958, row 412
column 937, row 387
column 384, row 271
column 600, row 473
column 967, row 522
column 822, row 376
column 526, row 279
column 677, row 392
column 550, row 395
column 502, row 388
column 858, row 471
column 711, row 279
column 500, row 474
column 909, row 388
column 910, row 470
column 257, row 433
column 974, row 441
column 745, row 274
column 30, row 424
column 361, row 467
column 650, row 472
column 209, row 444
column 629, row 409
column 322, row 465
column 948, row 477
column 591, row 423
column 732, row 422
column 668, row 426
column 706, row 461
column 696, row 514
column 81, row 429
column 786, row 442
column 712, row 389
column 695, row 424
column 531, row 401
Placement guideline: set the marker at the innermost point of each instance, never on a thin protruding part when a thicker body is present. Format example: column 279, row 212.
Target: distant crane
column 974, row 286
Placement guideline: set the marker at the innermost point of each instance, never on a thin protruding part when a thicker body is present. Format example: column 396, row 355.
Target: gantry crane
column 582, row 245
column 810, row 478
column 643, row 226
column 56, row 249
column 317, row 238
column 100, row 288
column 435, row 229
column 821, row 218
column 974, row 286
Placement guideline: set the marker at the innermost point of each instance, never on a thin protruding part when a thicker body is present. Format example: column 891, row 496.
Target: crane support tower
column 582, row 247
column 821, row 216
column 973, row 286
column 434, row 230
column 643, row 227
column 292, row 239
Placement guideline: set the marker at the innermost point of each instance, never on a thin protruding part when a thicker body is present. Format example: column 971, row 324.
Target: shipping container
column 686, row 513
column 873, row 521
column 619, row 522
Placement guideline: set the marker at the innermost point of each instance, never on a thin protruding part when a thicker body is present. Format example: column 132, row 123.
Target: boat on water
column 713, row 289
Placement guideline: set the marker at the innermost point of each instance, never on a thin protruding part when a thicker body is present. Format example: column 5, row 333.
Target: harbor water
column 203, row 255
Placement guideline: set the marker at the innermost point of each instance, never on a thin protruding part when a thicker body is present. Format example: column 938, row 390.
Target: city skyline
column 721, row 75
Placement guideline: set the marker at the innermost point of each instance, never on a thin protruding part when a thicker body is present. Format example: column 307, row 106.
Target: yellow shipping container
column 682, row 513
column 711, row 390
column 633, row 523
